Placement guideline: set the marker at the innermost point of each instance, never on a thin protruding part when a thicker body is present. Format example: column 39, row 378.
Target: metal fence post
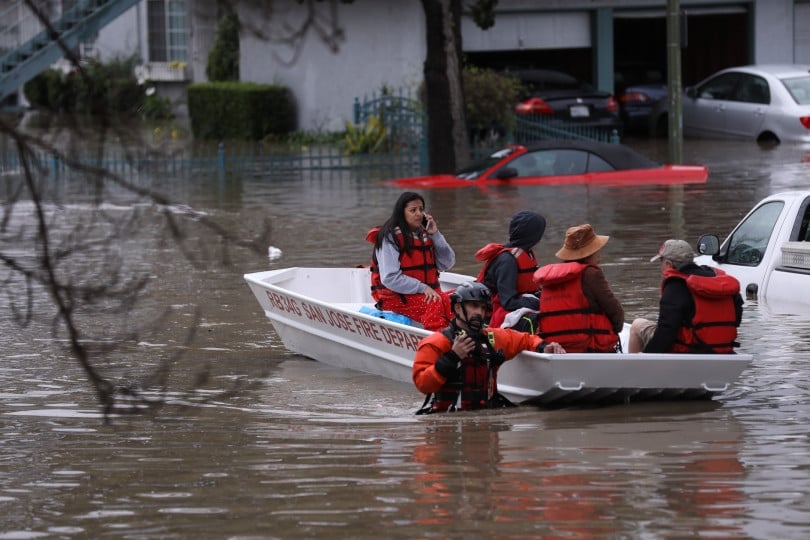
column 221, row 161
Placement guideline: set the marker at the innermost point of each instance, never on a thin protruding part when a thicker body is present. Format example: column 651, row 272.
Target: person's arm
column 391, row 273
column 512, row 343
column 674, row 308
column 597, row 291
column 426, row 377
column 504, row 270
column 445, row 256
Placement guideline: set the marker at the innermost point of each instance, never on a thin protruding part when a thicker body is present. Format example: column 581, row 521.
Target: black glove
column 497, row 358
column 447, row 365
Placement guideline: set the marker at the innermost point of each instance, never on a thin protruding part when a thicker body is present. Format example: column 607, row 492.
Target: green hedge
column 99, row 89
column 234, row 110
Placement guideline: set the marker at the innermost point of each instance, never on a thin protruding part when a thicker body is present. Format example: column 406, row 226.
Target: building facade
column 342, row 51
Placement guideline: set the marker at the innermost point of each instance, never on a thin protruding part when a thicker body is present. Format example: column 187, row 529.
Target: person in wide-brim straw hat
column 577, row 306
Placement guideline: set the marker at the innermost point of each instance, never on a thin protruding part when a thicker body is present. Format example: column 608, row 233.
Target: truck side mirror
column 708, row 244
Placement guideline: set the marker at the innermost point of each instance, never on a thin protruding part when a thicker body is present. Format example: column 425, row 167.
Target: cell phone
column 424, row 221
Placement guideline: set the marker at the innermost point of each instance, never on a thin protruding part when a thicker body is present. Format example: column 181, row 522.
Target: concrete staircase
column 30, row 56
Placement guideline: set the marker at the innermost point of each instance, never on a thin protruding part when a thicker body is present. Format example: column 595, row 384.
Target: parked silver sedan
column 766, row 103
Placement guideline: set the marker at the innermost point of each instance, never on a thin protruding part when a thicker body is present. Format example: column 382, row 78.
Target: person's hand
column 463, row 345
column 432, row 295
column 431, row 227
column 551, row 348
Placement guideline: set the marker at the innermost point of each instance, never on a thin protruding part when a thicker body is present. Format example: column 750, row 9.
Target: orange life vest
column 713, row 329
column 477, row 387
column 419, row 263
column 566, row 316
column 527, row 265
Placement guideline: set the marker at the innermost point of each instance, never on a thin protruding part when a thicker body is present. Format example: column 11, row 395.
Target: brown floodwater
column 272, row 445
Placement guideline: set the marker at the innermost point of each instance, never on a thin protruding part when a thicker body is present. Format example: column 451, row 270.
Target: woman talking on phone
column 409, row 252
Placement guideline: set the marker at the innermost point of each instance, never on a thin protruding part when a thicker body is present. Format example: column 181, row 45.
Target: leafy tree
column 489, row 100
column 223, row 60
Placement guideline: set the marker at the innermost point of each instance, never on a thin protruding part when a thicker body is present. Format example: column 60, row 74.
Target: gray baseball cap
column 677, row 251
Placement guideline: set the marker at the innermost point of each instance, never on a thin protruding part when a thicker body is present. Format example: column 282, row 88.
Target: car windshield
column 478, row 168
column 799, row 88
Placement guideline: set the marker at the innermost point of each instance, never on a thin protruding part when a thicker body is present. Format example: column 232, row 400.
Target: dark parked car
column 766, row 103
column 637, row 104
column 560, row 96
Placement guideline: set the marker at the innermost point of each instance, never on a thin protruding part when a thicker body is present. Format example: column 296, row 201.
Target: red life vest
column 478, row 386
column 527, row 265
column 566, row 315
column 713, row 329
column 419, row 263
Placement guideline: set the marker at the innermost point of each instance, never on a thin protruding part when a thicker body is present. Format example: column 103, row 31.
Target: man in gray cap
column 699, row 311
column 508, row 268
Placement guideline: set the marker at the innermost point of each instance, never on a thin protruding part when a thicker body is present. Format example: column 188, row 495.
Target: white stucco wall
column 773, row 32
column 384, row 44
column 801, row 27
column 124, row 36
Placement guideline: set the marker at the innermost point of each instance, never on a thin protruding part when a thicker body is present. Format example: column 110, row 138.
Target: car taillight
column 613, row 105
column 805, row 120
column 634, row 97
column 533, row 105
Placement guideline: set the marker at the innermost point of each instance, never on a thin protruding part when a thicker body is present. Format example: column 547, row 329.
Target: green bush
column 156, row 108
column 234, row 110
column 223, row 60
column 490, row 98
column 98, row 89
column 367, row 139
column 44, row 88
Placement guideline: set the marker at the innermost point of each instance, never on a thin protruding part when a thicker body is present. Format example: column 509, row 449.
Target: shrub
column 233, row 110
column 99, row 88
column 223, row 60
column 366, row 139
column 490, row 98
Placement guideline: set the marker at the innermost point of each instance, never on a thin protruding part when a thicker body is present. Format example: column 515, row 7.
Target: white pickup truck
column 768, row 251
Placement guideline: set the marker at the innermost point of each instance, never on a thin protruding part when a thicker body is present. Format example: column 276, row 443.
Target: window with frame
column 747, row 245
column 721, row 87
column 168, row 30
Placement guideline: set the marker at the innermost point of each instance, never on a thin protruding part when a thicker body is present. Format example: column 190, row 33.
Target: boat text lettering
column 283, row 303
column 349, row 323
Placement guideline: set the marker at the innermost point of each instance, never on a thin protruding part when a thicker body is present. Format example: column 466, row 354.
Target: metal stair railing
column 36, row 48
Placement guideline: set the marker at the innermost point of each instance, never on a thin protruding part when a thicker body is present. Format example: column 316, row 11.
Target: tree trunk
column 448, row 146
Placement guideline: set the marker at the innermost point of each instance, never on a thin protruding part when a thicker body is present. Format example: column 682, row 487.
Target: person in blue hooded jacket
column 508, row 268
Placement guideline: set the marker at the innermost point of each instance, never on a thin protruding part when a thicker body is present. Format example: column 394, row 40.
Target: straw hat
column 581, row 242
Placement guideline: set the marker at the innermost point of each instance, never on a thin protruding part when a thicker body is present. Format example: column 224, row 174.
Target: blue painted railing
column 220, row 160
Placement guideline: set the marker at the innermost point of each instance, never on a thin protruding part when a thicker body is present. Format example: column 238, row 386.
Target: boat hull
column 315, row 312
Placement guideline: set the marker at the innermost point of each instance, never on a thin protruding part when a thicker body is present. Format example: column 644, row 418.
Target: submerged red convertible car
column 563, row 162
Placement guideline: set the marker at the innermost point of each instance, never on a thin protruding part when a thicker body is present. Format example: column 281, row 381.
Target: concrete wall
column 383, row 43
column 773, row 32
column 801, row 28
column 125, row 36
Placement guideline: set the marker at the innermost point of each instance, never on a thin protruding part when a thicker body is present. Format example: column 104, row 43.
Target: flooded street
column 272, row 445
